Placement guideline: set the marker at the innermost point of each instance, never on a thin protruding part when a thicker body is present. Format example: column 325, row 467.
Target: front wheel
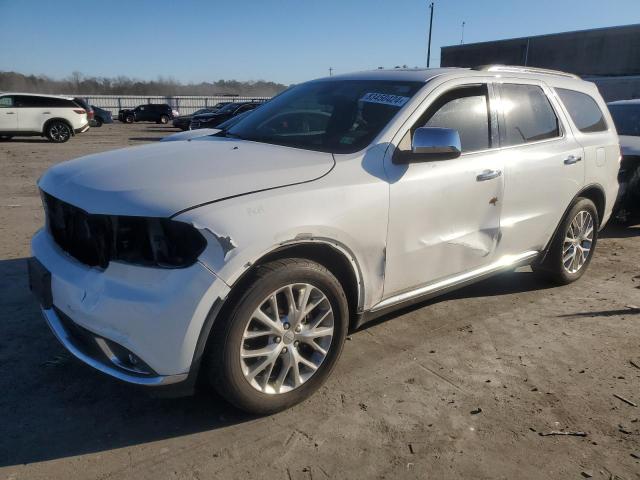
column 282, row 338
column 572, row 247
column 58, row 132
column 129, row 119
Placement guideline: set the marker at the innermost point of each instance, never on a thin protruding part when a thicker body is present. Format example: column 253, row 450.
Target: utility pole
column 430, row 27
column 462, row 39
column 330, row 71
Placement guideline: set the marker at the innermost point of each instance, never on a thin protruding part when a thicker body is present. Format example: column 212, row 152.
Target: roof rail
column 521, row 69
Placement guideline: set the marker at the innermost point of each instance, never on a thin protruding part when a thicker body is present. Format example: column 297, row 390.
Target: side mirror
column 442, row 143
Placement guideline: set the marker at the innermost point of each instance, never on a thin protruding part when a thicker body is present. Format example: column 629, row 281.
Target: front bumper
column 101, row 356
column 155, row 314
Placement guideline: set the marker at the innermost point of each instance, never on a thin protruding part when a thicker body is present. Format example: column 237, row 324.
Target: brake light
column 79, row 111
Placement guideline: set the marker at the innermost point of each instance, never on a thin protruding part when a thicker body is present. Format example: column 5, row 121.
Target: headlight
column 95, row 239
column 156, row 242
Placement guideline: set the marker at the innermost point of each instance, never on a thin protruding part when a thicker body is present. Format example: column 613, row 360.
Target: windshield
column 228, row 108
column 337, row 116
column 626, row 119
column 233, row 120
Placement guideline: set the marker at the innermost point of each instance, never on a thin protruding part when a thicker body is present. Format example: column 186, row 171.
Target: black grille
column 84, row 236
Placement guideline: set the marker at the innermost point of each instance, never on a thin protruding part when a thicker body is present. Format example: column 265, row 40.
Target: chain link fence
column 186, row 105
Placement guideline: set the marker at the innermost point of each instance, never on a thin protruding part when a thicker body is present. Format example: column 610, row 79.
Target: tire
column 98, row 122
column 275, row 386
column 164, row 119
column 129, row 119
column 566, row 261
column 58, row 131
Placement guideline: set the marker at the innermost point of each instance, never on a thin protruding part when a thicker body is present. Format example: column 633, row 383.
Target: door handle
column 10, row 113
column 488, row 175
column 571, row 159
column 46, row 113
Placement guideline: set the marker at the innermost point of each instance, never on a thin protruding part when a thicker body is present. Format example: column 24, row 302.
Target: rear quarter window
column 584, row 111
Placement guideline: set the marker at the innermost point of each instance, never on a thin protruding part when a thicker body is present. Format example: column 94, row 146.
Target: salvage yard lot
column 461, row 386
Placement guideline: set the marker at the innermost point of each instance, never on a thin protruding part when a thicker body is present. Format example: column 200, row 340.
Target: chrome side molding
column 505, row 262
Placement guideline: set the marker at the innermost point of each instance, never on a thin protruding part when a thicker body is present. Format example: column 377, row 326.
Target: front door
column 8, row 114
column 444, row 215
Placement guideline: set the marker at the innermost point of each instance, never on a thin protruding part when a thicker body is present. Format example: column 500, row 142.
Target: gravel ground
column 462, row 386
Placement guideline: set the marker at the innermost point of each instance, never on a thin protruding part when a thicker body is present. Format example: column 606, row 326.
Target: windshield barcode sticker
column 385, row 98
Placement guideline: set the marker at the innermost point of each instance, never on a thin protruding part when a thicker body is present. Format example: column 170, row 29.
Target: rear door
column 544, row 164
column 8, row 114
column 31, row 114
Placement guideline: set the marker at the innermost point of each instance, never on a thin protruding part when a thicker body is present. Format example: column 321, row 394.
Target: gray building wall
column 603, row 51
column 610, row 56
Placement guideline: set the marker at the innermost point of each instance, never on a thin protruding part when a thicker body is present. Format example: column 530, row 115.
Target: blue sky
column 286, row 41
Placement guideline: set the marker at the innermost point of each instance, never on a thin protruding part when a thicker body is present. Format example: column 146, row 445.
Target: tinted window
column 528, row 115
column 465, row 110
column 25, row 101
column 626, row 118
column 6, row 102
column 584, row 110
column 358, row 110
column 33, row 101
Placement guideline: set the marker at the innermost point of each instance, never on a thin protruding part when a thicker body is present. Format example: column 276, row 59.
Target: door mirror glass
column 433, row 143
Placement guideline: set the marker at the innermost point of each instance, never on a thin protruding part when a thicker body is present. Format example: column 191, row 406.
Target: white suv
column 25, row 114
column 248, row 260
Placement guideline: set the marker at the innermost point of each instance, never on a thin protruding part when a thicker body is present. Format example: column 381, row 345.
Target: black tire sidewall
column 98, row 122
column 229, row 379
column 164, row 119
column 128, row 119
column 553, row 265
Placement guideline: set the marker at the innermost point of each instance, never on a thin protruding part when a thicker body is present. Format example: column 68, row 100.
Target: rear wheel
column 4, row 138
column 164, row 119
column 573, row 245
column 281, row 339
column 58, row 131
column 98, row 122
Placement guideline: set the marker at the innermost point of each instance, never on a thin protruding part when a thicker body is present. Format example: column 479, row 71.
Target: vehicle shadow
column 145, row 139
column 53, row 406
column 618, row 230
column 26, row 140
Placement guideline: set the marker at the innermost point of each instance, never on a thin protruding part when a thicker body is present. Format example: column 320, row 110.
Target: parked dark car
column 212, row 120
column 100, row 116
column 87, row 107
column 151, row 112
column 626, row 116
column 183, row 121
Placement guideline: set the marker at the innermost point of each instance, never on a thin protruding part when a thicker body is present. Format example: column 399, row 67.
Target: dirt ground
column 459, row 387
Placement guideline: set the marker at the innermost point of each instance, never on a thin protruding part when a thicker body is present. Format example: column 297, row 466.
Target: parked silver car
column 245, row 257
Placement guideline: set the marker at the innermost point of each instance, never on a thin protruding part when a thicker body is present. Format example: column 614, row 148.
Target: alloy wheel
column 287, row 338
column 577, row 242
column 59, row 132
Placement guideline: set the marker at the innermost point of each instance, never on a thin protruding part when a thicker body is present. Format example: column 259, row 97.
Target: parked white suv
column 25, row 114
column 246, row 256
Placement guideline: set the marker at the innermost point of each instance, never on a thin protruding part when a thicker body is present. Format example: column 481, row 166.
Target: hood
column 190, row 134
column 161, row 179
column 630, row 145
